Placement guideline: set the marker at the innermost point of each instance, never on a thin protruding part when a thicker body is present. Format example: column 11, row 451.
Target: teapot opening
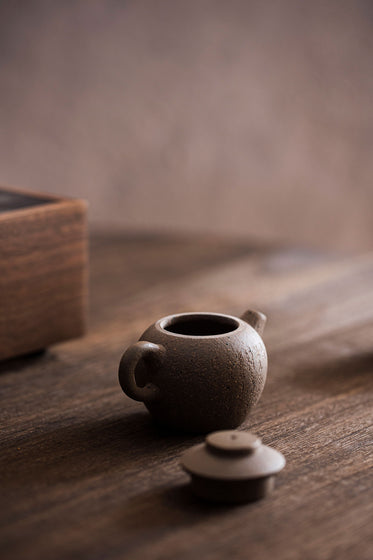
column 201, row 325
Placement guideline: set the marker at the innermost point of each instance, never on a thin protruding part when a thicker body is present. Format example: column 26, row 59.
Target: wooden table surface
column 85, row 474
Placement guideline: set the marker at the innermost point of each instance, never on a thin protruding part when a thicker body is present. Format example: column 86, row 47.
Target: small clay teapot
column 198, row 372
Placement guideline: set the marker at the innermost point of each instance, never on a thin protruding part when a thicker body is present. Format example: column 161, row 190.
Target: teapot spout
column 255, row 319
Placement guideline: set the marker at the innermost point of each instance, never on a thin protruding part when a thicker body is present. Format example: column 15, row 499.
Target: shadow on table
column 82, row 450
column 38, row 357
column 169, row 507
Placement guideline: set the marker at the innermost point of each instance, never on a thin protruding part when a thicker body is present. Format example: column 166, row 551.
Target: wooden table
column 85, row 475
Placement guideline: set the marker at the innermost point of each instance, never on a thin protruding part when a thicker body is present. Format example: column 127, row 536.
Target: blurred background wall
column 243, row 117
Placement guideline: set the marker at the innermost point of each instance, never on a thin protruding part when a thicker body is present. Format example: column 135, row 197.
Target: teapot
column 198, row 372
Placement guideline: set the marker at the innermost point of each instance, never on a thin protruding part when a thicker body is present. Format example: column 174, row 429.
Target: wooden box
column 43, row 270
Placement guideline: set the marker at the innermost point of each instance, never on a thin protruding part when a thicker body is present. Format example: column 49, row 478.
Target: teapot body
column 209, row 373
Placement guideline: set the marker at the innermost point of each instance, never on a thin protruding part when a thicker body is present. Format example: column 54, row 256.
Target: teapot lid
column 232, row 455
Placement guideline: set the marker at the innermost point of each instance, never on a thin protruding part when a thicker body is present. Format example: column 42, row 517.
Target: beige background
column 248, row 118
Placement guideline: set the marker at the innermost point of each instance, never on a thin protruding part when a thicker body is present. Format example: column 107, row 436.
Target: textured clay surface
column 205, row 383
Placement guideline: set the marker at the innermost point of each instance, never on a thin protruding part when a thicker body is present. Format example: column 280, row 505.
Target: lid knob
column 232, row 442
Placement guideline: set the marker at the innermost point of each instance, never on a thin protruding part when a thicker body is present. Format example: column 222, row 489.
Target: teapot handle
column 255, row 319
column 148, row 352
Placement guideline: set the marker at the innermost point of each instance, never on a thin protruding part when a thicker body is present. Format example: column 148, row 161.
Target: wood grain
column 84, row 474
column 43, row 271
